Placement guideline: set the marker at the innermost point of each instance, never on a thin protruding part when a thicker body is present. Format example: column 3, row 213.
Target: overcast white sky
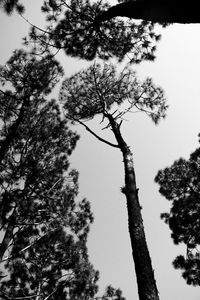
column 177, row 70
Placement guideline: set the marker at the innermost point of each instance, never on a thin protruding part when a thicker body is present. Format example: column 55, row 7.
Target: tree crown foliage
column 43, row 226
column 24, row 71
column 101, row 89
column 179, row 184
column 74, row 27
column 10, row 5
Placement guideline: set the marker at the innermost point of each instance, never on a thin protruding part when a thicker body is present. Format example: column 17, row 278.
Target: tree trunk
column 147, row 288
column 161, row 11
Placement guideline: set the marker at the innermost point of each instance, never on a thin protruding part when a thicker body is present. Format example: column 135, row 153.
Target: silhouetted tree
column 101, row 91
column 24, row 112
column 31, row 80
column 74, row 27
column 87, row 28
column 179, row 184
column 44, row 228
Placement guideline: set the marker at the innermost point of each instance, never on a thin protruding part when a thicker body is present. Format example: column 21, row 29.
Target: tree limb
column 92, row 132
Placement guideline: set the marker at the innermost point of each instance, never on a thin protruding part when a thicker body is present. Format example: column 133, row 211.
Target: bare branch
column 92, row 132
column 36, row 27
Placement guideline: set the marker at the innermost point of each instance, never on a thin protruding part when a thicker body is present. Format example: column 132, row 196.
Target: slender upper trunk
column 147, row 288
column 161, row 11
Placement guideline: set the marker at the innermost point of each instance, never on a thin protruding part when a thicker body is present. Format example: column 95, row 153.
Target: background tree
column 87, row 28
column 30, row 80
column 74, row 27
column 101, row 91
column 44, row 228
column 179, row 184
column 21, row 111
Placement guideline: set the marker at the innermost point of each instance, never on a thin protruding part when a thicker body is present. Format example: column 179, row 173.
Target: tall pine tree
column 101, row 91
column 43, row 227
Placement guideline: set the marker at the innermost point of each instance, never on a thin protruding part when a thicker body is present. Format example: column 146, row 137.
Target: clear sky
column 177, row 71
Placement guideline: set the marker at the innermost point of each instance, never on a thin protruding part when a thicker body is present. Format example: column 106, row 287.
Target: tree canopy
column 179, row 184
column 44, row 227
column 87, row 28
column 102, row 89
column 10, row 5
column 74, row 27
column 40, row 215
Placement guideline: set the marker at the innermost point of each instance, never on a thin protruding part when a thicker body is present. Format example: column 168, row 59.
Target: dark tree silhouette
column 22, row 108
column 101, row 91
column 160, row 11
column 86, row 28
column 74, row 27
column 31, row 79
column 44, row 228
column 10, row 5
column 179, row 184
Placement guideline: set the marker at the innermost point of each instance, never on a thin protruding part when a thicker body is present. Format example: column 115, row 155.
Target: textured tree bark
column 161, row 11
column 147, row 288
